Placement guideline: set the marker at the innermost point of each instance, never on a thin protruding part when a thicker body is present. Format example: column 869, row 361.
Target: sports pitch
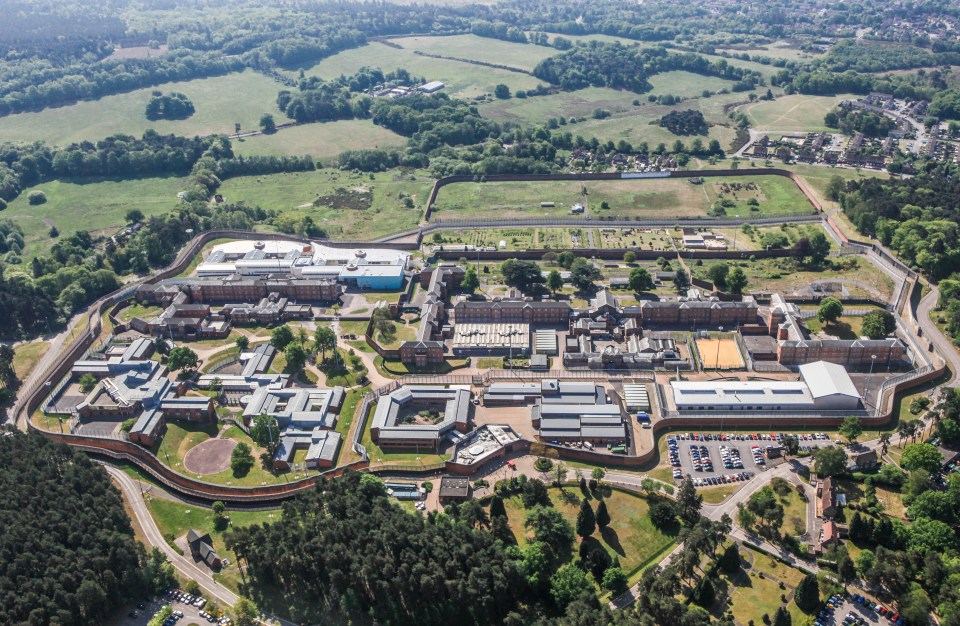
column 719, row 353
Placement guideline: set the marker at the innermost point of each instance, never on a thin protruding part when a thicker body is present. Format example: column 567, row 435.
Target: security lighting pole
column 716, row 365
column 866, row 391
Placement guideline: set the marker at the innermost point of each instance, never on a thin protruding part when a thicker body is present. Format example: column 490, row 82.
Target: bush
column 36, row 197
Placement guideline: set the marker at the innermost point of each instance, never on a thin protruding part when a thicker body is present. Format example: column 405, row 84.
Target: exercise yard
column 209, row 457
column 719, row 353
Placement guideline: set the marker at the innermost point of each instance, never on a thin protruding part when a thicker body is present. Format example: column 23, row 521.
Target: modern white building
column 369, row 268
column 822, row 387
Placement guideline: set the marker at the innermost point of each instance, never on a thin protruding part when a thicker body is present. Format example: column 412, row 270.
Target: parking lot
column 140, row 617
column 737, row 457
column 855, row 610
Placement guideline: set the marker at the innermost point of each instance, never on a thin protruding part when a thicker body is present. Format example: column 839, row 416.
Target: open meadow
column 347, row 205
column 484, row 49
column 323, row 141
column 464, row 80
column 796, row 112
column 651, row 197
column 95, row 205
column 220, row 102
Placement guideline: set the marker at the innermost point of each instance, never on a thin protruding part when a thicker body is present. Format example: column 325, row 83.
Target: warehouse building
column 822, row 387
column 635, row 397
column 545, row 342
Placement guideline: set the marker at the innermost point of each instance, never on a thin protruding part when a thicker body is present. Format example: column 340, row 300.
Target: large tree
column 689, row 502
column 640, row 280
column 851, row 428
column 181, row 358
column 830, row 310
column 325, row 339
column 524, row 275
column 807, row 594
column 830, row 461
column 923, row 456
column 586, row 519
column 878, row 324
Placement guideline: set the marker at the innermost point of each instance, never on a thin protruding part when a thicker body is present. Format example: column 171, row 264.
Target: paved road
column 933, row 334
column 154, row 537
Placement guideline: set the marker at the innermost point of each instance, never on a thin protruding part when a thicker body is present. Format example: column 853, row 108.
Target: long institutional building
column 246, row 271
column 504, row 326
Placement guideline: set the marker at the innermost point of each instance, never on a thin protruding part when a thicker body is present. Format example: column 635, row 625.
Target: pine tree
column 496, row 507
column 705, row 595
column 857, row 527
column 807, row 594
column 689, row 502
column 730, row 560
column 603, row 517
column 782, row 618
column 586, row 520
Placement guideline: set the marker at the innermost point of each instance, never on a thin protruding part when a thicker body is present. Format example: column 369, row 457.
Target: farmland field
column 385, row 211
column 95, row 205
column 464, row 80
column 686, row 84
column 794, row 112
column 578, row 103
column 322, row 141
column 519, row 55
column 220, row 103
column 658, row 197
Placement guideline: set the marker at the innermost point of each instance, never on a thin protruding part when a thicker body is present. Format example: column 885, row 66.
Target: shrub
column 36, row 197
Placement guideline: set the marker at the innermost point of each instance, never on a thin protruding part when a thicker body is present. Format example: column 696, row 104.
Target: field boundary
column 449, row 180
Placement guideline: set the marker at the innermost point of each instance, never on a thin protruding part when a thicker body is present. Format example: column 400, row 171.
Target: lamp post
column 716, row 364
column 866, row 390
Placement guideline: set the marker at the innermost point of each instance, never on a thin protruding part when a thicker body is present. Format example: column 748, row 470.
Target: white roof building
column 823, row 387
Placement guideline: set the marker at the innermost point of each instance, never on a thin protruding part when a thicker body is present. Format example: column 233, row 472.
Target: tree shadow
column 569, row 497
column 612, row 539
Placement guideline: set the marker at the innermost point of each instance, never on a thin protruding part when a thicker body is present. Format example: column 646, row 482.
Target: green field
column 578, row 103
column 631, row 536
column 790, row 113
column 96, row 205
column 220, row 102
column 655, row 197
column 322, row 141
column 26, row 355
column 777, row 50
column 465, row 80
column 294, row 193
column 484, row 49
column 686, row 84
column 818, row 177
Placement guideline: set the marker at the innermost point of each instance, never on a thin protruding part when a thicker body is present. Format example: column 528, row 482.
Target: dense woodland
column 69, row 553
column 346, row 550
column 850, row 121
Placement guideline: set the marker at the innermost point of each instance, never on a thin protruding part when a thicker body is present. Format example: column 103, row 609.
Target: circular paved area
column 209, row 457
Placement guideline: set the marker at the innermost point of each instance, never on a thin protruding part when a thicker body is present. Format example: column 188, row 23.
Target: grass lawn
column 891, row 500
column 181, row 436
column 351, row 327
column 484, row 49
column 95, row 205
column 657, row 197
column 630, row 536
column 755, row 589
column 396, row 368
column 26, row 355
column 686, row 84
column 295, row 193
column 784, row 276
column 403, row 333
column 322, row 141
column 777, row 50
column 846, row 327
column 794, row 512
column 138, row 310
column 796, row 112
column 220, row 102
column 579, row 103
column 711, row 495
column 347, row 415
column 174, row 519
column 461, row 80
column 818, row 177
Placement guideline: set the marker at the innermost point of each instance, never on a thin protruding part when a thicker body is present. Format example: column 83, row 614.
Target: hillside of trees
column 917, row 217
column 67, row 552
column 346, row 551
column 618, row 66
